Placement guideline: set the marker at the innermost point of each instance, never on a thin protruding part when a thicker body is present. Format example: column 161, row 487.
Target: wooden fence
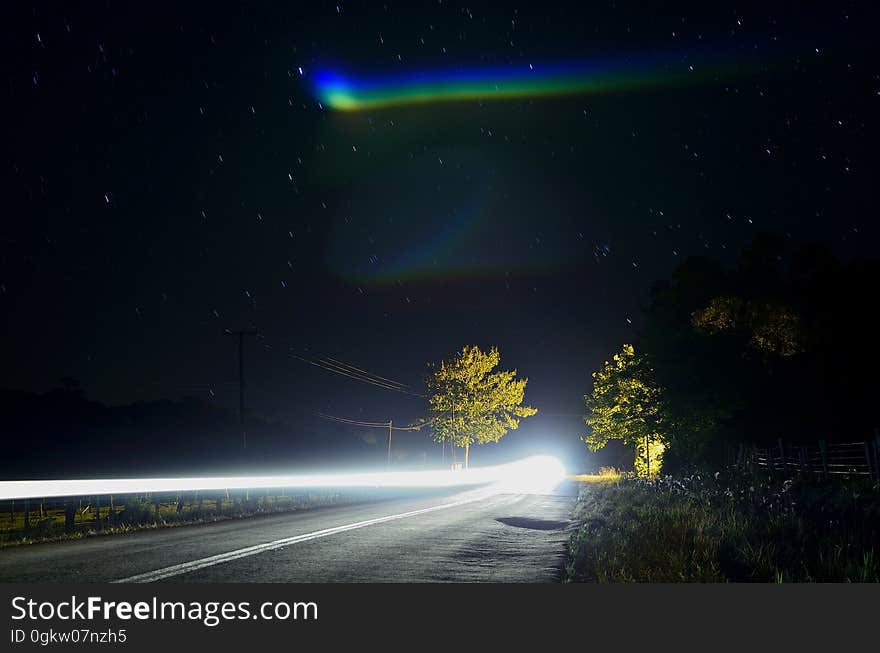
column 40, row 517
column 820, row 458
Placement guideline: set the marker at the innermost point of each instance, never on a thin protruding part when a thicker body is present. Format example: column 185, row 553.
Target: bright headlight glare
column 537, row 475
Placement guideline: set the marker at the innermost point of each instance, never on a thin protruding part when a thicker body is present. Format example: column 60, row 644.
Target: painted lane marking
column 220, row 558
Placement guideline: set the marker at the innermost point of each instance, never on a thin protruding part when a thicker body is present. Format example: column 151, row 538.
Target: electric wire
column 336, row 369
column 382, row 425
column 357, row 369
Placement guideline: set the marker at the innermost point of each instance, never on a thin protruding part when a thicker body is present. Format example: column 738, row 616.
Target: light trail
column 536, row 474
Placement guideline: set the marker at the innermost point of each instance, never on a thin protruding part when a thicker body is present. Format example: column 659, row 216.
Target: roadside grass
column 141, row 512
column 726, row 528
column 605, row 475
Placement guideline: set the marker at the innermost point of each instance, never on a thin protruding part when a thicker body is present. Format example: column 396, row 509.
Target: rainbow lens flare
column 520, row 81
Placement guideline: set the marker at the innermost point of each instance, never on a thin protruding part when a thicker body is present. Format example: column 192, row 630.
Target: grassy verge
column 726, row 529
column 142, row 513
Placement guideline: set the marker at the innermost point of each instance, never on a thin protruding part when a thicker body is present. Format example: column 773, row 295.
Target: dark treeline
column 61, row 433
column 782, row 345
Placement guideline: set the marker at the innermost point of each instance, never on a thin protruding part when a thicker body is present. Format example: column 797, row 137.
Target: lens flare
column 347, row 93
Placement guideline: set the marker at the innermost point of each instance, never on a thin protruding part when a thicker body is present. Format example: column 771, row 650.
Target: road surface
column 458, row 536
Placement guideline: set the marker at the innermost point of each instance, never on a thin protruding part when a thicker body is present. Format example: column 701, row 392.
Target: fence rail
column 820, row 458
column 52, row 516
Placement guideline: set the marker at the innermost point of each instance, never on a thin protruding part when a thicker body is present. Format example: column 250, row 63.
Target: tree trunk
column 467, row 446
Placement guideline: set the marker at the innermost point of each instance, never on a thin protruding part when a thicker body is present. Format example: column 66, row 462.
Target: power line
column 353, row 422
column 357, row 376
column 357, row 369
column 350, row 372
column 375, row 425
column 343, row 373
column 329, row 364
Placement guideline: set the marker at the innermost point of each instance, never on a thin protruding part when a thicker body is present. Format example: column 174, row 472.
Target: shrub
column 734, row 528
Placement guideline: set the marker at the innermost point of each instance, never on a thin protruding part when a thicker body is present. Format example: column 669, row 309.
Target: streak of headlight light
column 535, row 474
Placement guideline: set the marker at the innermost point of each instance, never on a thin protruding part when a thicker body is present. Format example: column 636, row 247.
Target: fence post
column 823, row 451
column 69, row 516
column 27, row 513
column 877, row 451
column 782, row 456
column 868, row 459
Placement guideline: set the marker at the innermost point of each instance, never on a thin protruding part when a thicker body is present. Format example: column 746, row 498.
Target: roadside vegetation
column 604, row 475
column 141, row 512
column 740, row 368
column 725, row 528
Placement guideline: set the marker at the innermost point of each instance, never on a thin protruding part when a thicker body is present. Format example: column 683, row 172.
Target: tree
column 770, row 328
column 470, row 403
column 746, row 355
column 626, row 404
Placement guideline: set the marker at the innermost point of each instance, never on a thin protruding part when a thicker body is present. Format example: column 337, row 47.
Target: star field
column 172, row 172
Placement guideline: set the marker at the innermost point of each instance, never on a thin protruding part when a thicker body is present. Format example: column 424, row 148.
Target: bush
column 714, row 528
column 137, row 511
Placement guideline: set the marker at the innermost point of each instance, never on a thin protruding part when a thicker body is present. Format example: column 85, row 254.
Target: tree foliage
column 471, row 403
column 768, row 327
column 779, row 346
column 626, row 404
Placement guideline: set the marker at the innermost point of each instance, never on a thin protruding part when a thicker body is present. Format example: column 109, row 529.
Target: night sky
column 170, row 171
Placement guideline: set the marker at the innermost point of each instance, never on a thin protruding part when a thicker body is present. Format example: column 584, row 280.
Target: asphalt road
column 465, row 536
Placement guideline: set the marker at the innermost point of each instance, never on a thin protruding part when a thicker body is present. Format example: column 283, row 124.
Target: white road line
column 220, row 558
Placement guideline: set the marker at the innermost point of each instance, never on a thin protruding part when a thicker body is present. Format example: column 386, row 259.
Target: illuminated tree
column 470, row 403
column 769, row 328
column 626, row 404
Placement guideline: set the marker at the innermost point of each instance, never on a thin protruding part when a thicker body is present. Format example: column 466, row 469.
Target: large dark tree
column 782, row 345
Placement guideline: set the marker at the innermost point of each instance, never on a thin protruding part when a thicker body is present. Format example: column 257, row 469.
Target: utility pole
column 452, row 440
column 390, row 428
column 241, row 333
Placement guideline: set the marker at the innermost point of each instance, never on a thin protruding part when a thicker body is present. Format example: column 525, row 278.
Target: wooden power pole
column 241, row 333
column 390, row 428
